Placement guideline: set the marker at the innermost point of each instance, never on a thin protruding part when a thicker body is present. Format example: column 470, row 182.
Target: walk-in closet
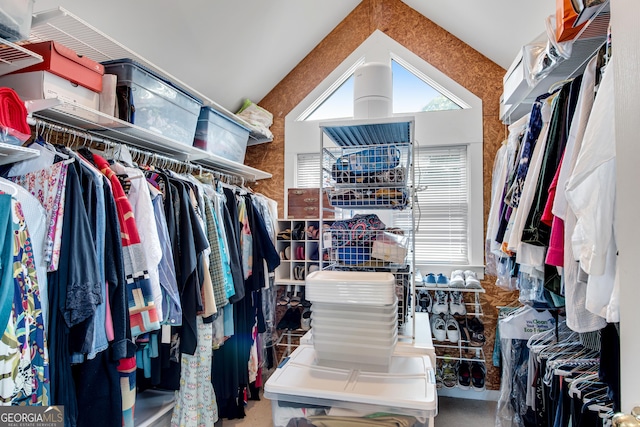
column 339, row 213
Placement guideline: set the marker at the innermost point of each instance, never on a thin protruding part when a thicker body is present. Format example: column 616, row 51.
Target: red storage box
column 66, row 63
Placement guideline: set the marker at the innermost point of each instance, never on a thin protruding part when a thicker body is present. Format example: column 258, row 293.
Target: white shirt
column 591, row 192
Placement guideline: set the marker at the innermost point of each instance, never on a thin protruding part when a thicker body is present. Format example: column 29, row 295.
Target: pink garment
column 547, row 215
column 555, row 253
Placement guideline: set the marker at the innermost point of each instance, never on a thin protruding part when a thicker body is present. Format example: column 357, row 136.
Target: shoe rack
column 464, row 354
column 299, row 248
column 298, row 244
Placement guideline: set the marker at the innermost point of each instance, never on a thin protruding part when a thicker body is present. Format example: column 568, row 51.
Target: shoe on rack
column 438, row 327
column 285, row 321
column 441, row 304
column 305, row 322
column 296, row 319
column 456, row 303
column 478, row 374
column 471, row 279
column 476, row 332
column 449, row 377
column 429, row 279
column 452, row 328
column 439, row 374
column 457, row 279
column 464, row 375
column 442, row 281
column 424, row 301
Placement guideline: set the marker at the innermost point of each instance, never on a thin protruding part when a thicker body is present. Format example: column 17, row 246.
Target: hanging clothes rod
column 144, row 157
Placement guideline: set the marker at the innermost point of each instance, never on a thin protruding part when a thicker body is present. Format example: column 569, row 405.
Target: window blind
column 308, row 175
column 441, row 206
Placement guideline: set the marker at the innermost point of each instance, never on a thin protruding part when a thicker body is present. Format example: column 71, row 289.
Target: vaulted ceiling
column 234, row 49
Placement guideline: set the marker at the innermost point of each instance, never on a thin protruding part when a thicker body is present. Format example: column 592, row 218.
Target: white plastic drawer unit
column 408, row 388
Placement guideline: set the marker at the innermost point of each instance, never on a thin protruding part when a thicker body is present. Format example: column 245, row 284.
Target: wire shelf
column 14, row 57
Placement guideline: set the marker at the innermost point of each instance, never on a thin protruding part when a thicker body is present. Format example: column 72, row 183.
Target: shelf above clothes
column 15, row 153
column 14, row 57
column 69, row 30
column 585, row 45
column 116, row 130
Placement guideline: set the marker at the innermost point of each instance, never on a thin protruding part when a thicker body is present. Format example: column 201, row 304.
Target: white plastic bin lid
column 351, row 287
column 407, row 388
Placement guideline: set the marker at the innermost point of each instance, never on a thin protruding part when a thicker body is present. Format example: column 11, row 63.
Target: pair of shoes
column 298, row 272
column 465, row 278
column 440, row 280
column 456, row 303
column 300, row 253
column 298, row 232
column 424, row 301
column 476, row 332
column 285, row 253
column 291, row 319
column 449, row 376
column 464, row 374
column 284, row 234
column 312, row 232
column 478, row 374
column 449, row 302
column 445, row 328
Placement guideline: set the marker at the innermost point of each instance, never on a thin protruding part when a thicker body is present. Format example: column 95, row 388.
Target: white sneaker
column 438, row 327
column 456, row 303
column 441, row 304
column 457, row 279
column 471, row 280
column 453, row 329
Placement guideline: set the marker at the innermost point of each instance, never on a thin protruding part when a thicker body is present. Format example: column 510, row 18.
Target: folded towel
column 13, row 114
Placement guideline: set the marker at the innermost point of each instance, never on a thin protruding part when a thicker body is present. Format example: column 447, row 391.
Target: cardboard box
column 45, row 85
column 66, row 63
column 303, row 203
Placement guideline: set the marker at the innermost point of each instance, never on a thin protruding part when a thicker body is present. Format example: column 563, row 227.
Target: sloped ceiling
column 235, row 49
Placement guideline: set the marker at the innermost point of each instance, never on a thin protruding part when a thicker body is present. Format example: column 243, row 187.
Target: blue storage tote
column 153, row 103
column 218, row 134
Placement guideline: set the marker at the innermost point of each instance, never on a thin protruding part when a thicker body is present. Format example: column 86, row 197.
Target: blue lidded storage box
column 153, row 103
column 218, row 134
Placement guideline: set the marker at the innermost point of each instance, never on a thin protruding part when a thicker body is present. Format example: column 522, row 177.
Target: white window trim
column 452, row 127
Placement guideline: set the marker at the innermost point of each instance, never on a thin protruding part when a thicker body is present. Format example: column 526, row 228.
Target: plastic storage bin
column 15, row 19
column 300, row 388
column 218, row 134
column 155, row 104
column 351, row 287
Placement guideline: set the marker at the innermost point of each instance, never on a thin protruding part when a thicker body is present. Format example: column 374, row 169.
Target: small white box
column 45, row 85
column 515, row 82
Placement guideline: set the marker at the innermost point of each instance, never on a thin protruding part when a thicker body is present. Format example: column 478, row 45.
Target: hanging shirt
column 48, row 186
column 142, row 208
column 591, row 194
column 36, row 217
column 142, row 310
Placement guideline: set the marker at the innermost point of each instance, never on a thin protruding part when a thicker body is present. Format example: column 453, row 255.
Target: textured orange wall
column 432, row 43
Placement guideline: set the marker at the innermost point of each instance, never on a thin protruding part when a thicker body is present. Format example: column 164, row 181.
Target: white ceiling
column 234, row 49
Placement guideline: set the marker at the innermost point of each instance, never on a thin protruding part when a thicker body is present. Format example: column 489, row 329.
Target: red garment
column 13, row 113
column 547, row 215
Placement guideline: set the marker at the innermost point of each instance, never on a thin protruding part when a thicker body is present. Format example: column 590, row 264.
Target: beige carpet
column 258, row 414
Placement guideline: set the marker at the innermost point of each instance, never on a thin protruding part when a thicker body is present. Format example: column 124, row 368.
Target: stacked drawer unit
column 304, row 203
column 354, row 318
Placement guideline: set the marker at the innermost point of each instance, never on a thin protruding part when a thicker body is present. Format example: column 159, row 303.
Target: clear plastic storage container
column 300, row 388
column 15, row 19
column 146, row 100
column 218, row 134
